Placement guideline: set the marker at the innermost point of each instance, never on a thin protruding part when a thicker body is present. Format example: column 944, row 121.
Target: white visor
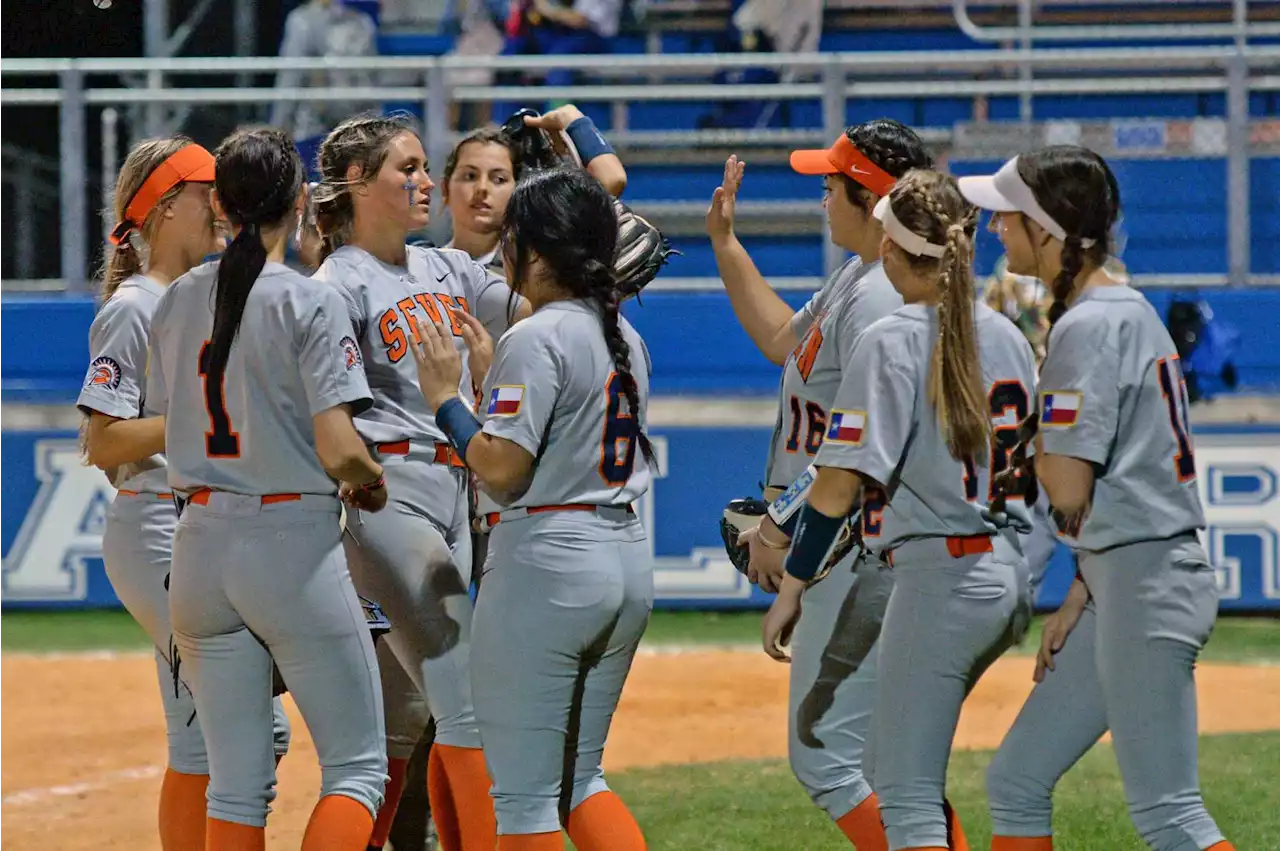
column 907, row 240
column 1005, row 192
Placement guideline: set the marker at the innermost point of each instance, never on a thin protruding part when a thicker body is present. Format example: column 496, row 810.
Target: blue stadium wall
column 52, row 511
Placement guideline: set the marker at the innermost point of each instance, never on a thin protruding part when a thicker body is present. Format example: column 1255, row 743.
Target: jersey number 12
column 219, row 441
column 1005, row 398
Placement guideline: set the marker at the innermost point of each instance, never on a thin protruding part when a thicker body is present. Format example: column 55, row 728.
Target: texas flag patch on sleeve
column 505, row 401
column 1060, row 409
column 846, row 427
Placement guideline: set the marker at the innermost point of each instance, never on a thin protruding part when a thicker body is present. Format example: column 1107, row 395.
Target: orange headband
column 844, row 158
column 192, row 164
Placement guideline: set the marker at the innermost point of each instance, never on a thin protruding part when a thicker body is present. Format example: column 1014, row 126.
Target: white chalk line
column 27, row 797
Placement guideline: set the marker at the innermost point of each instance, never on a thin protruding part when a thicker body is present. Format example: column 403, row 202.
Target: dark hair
column 489, row 135
column 891, row 145
column 567, row 218
column 1076, row 188
column 361, row 140
column 929, row 203
column 258, row 174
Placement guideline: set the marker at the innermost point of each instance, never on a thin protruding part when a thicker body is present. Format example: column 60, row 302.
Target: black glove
column 642, row 251
column 739, row 516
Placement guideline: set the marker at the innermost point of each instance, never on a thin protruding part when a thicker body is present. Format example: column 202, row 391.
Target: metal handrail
column 1173, row 58
column 1123, row 32
column 1235, row 69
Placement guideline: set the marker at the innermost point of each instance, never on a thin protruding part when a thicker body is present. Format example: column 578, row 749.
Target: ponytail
column 606, row 295
column 955, row 374
column 123, row 262
column 259, row 176
column 240, row 266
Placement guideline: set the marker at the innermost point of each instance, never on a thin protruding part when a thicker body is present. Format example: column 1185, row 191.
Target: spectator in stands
column 550, row 28
column 322, row 28
column 478, row 25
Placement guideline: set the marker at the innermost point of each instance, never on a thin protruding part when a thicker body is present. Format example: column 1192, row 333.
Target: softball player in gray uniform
column 832, row 684
column 414, row 559
column 162, row 205
column 256, row 371
column 1115, row 455
column 568, row 585
column 913, row 426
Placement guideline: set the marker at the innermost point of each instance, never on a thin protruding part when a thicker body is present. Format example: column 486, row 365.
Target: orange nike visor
column 844, row 158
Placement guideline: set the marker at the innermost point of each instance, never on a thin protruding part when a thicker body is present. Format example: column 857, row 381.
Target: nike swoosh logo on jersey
column 440, row 280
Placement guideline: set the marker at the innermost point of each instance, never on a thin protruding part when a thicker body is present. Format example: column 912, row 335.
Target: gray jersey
column 883, row 426
column 116, row 382
column 553, row 390
column 380, row 299
column 295, row 356
column 493, row 305
column 1113, row 395
column 827, row 327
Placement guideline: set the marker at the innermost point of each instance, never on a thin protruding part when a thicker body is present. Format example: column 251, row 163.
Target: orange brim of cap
column 191, row 164
column 844, row 158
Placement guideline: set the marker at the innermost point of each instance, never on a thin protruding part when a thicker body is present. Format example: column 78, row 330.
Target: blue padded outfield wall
column 54, row 509
column 53, row 506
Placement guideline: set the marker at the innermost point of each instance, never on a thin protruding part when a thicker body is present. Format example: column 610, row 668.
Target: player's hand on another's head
column 479, row 347
column 557, row 119
column 720, row 215
column 439, row 364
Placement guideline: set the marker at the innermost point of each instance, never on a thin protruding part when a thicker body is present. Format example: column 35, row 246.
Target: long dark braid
column 619, row 350
column 566, row 218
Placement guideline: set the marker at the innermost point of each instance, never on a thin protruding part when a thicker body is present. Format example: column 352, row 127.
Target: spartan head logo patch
column 103, row 372
column 351, row 353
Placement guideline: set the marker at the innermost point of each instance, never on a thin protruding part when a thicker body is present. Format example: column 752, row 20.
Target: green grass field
column 758, row 806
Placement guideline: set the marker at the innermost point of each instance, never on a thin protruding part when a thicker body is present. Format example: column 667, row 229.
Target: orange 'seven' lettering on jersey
column 428, row 307
column 393, row 336
column 452, row 308
column 806, row 354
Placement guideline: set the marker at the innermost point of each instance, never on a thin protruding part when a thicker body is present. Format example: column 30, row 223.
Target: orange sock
column 338, row 823
column 956, row 839
column 1023, row 843
column 469, row 805
column 1224, row 845
column 531, row 842
column 603, row 823
column 862, row 826
column 442, row 809
column 222, row 835
column 182, row 811
column 396, row 769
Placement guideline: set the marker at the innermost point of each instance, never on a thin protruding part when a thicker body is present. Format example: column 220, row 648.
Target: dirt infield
column 83, row 740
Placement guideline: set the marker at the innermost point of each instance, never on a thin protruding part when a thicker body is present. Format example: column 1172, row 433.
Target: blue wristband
column 815, row 534
column 458, row 424
column 587, row 139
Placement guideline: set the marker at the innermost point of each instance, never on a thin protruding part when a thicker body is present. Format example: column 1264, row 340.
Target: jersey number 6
column 219, row 441
column 618, row 445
